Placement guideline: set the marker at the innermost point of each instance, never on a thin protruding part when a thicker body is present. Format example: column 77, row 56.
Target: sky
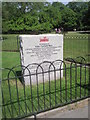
column 66, row 1
column 63, row 1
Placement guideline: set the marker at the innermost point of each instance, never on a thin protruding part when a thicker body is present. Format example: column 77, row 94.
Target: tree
column 35, row 17
column 54, row 16
column 81, row 9
column 68, row 19
column 10, row 14
column 86, row 20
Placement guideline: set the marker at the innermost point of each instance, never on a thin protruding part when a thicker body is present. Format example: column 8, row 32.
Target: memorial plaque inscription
column 39, row 48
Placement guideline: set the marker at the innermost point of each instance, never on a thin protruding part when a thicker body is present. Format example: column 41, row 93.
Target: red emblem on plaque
column 44, row 39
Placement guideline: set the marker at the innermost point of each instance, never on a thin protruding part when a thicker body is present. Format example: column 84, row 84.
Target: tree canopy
column 30, row 17
column 82, row 11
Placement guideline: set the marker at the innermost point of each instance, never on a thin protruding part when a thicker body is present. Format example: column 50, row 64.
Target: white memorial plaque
column 37, row 49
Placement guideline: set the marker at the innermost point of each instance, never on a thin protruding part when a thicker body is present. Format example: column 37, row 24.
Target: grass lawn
column 75, row 44
column 10, row 59
column 20, row 102
column 10, row 42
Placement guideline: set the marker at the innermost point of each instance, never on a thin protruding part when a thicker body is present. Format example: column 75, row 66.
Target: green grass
column 73, row 47
column 24, row 93
column 76, row 45
column 10, row 42
column 10, row 59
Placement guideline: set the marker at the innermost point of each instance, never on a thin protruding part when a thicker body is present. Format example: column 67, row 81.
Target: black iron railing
column 66, row 84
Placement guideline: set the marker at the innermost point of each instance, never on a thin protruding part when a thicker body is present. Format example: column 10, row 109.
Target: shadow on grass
column 87, row 86
column 19, row 74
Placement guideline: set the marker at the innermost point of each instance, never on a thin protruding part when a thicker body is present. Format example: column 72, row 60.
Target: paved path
column 75, row 110
column 77, row 113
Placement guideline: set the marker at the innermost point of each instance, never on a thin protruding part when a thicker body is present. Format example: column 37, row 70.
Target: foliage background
column 43, row 17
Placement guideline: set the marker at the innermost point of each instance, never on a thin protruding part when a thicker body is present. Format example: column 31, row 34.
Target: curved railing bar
column 61, row 62
column 48, row 62
column 70, row 59
column 82, row 58
column 43, row 63
column 26, row 68
column 5, row 69
column 39, row 65
column 32, row 64
column 12, row 70
column 75, row 63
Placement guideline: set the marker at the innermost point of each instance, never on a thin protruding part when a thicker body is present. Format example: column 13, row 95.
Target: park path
column 76, row 110
column 77, row 113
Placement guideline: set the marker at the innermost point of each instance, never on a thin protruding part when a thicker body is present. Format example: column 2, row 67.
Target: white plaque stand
column 39, row 48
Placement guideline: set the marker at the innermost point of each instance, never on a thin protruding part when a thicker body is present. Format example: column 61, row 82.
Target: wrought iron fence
column 74, row 45
column 10, row 43
column 19, row 100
